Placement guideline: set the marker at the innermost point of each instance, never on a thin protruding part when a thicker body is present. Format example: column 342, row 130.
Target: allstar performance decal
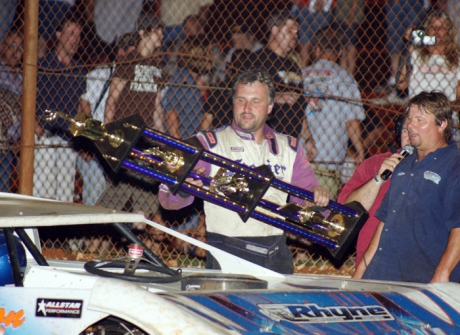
column 312, row 313
column 57, row 308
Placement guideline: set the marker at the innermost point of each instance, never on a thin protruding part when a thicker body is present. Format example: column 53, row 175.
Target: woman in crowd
column 434, row 67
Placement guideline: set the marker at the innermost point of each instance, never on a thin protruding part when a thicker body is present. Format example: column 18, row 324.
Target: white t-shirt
column 95, row 84
column 435, row 74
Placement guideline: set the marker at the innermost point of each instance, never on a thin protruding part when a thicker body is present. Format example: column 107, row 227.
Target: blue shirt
column 420, row 209
column 329, row 125
column 59, row 88
column 184, row 97
column 10, row 79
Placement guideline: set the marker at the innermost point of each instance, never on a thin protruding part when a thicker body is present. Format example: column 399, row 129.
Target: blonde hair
column 451, row 52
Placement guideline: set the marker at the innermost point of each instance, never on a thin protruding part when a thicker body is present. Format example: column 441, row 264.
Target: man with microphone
column 367, row 187
column 418, row 238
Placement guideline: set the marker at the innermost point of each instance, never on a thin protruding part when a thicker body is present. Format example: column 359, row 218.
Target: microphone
column 408, row 150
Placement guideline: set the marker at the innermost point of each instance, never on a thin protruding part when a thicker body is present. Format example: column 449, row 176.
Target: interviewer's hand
column 390, row 163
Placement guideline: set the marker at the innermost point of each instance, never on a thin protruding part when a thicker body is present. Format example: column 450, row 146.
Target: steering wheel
column 96, row 267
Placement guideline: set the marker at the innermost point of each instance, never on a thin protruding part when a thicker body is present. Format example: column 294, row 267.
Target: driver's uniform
column 253, row 240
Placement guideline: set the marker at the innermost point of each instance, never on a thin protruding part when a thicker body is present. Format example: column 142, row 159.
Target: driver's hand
column 196, row 182
column 321, row 195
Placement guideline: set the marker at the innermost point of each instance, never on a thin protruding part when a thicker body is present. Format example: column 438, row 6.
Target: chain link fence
column 173, row 62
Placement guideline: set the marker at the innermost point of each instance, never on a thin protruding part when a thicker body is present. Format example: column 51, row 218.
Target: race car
column 141, row 295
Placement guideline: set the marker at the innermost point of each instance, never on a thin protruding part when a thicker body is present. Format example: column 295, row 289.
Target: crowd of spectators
column 173, row 62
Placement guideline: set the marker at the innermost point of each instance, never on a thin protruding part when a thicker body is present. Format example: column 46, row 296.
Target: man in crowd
column 60, row 84
column 138, row 80
column 367, row 187
column 93, row 105
column 136, row 88
column 242, row 38
column 10, row 108
column 418, row 238
column 335, row 116
column 249, row 141
column 288, row 113
column 10, row 61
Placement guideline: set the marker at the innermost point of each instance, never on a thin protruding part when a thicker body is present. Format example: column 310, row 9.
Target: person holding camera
column 432, row 62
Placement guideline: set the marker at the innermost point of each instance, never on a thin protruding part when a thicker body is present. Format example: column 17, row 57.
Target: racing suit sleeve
column 181, row 199
column 303, row 175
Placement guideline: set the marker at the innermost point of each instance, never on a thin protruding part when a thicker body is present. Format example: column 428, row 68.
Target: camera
column 420, row 38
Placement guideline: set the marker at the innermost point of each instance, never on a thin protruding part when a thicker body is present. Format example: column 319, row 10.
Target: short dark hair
column 148, row 23
column 194, row 55
column 125, row 41
column 436, row 103
column 69, row 18
column 191, row 17
column 252, row 76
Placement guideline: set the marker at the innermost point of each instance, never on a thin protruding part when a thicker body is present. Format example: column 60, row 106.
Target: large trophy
column 149, row 154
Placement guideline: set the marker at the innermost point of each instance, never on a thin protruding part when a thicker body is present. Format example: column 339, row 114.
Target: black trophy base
column 352, row 228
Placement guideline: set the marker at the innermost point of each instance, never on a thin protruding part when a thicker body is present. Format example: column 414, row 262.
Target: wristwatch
column 378, row 181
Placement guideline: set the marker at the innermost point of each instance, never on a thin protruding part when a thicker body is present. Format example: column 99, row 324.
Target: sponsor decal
column 57, row 308
column 434, row 177
column 211, row 138
column 277, row 169
column 237, row 149
column 312, row 313
column 11, row 318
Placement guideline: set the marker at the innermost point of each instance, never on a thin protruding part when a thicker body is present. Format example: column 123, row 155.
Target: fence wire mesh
column 173, row 62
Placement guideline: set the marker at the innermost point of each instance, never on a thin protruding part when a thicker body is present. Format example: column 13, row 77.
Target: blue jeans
column 94, row 182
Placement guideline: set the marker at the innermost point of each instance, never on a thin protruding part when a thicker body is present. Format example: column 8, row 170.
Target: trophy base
column 352, row 228
column 129, row 130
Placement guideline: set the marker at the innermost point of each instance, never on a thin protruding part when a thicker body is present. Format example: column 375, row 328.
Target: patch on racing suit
column 293, row 143
column 272, row 143
column 210, row 137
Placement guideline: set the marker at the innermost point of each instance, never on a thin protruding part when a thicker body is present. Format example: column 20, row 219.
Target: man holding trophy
column 249, row 141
